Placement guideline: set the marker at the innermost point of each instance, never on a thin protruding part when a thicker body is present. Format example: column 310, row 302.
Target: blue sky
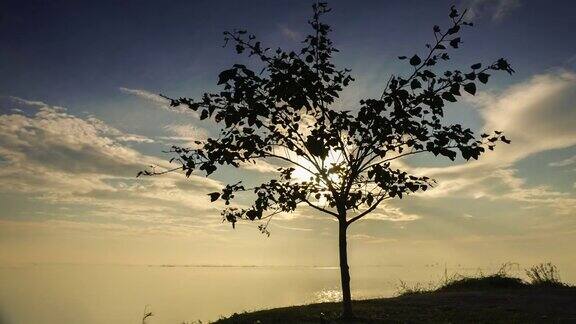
column 74, row 53
column 80, row 115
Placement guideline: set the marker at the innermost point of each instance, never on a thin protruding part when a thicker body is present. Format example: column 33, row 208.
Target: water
column 119, row 294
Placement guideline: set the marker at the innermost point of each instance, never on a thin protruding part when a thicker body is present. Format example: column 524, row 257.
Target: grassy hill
column 496, row 298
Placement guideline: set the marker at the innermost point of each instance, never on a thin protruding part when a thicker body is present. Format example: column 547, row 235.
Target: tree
column 285, row 113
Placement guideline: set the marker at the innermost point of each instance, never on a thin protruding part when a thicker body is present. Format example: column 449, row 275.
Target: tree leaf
column 448, row 97
column 453, row 12
column 415, row 60
column 470, row 88
column 454, row 43
column 453, row 30
column 214, row 196
column 483, row 77
column 226, row 75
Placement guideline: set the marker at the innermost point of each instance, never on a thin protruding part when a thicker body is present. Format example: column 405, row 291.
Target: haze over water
column 92, row 294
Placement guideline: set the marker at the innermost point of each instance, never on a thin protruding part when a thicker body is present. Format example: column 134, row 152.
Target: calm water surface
column 118, row 294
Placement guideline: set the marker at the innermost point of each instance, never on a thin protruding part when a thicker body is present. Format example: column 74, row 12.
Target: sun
column 302, row 173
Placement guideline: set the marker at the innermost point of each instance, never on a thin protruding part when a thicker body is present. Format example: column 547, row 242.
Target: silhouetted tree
column 285, row 112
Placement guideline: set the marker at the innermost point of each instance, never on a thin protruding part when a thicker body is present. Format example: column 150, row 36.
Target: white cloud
column 495, row 9
column 54, row 157
column 157, row 100
column 189, row 133
column 386, row 212
column 53, row 139
column 135, row 138
column 27, row 102
column 292, row 228
column 184, row 135
column 565, row 162
column 260, row 166
column 290, row 34
column 160, row 101
column 371, row 239
column 562, row 202
column 538, row 116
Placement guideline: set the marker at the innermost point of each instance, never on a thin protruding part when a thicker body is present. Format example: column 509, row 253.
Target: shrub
column 544, row 274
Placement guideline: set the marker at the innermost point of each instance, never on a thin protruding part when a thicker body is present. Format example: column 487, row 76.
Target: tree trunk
column 344, row 271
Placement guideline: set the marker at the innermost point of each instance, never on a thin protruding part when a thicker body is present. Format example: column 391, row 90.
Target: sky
column 80, row 115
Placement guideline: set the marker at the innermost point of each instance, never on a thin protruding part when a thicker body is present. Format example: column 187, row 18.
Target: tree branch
column 320, row 208
column 367, row 211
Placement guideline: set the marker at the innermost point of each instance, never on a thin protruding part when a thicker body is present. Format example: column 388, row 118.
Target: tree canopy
column 285, row 112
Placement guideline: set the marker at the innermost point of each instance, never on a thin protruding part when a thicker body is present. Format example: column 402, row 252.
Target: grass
column 493, row 298
column 500, row 279
column 544, row 274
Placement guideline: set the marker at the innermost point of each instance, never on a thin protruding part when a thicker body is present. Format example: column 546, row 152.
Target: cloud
column 186, row 134
column 289, row 33
column 53, row 157
column 260, row 166
column 387, row 212
column 292, row 228
column 517, row 190
column 157, row 100
column 135, row 138
column 53, row 139
column 495, row 9
column 565, row 162
column 371, row 239
column 187, row 131
column 538, row 116
column 60, row 226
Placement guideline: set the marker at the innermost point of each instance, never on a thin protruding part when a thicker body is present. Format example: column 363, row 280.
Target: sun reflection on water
column 328, row 295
